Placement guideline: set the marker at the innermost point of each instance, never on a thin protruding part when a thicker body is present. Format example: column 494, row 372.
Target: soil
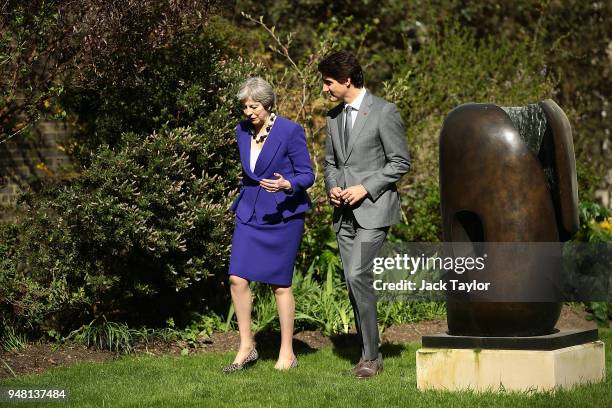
column 38, row 357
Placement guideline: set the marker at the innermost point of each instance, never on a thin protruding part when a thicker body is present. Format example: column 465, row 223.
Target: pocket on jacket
column 236, row 201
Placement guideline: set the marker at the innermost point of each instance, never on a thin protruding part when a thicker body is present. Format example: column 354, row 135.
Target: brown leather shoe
column 369, row 368
column 357, row 366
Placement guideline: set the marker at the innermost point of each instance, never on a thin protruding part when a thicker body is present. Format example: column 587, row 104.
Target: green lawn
column 321, row 380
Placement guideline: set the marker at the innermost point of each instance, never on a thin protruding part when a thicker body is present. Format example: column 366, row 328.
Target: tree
column 47, row 46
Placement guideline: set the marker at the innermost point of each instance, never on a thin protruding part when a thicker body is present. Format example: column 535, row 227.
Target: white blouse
column 254, row 156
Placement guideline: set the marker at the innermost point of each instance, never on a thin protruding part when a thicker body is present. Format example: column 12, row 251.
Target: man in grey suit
column 365, row 155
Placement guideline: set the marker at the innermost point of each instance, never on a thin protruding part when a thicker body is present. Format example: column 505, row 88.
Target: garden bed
column 38, row 357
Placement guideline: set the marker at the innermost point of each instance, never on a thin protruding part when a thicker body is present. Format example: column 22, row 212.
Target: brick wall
column 21, row 157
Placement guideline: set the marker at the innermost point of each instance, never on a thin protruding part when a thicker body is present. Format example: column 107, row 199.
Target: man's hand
column 335, row 197
column 354, row 194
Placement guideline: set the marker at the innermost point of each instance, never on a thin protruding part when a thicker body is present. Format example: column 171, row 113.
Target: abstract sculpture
column 507, row 175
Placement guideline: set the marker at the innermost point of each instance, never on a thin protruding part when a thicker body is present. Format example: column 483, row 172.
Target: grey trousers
column 358, row 248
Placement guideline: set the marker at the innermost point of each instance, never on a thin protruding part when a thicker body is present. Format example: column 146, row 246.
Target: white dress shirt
column 355, row 105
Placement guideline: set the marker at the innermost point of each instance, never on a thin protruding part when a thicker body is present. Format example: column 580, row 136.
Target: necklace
column 261, row 138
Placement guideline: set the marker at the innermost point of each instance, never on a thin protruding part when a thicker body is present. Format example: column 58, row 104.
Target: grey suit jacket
column 377, row 157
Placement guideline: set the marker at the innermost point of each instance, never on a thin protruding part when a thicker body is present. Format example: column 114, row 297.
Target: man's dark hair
column 341, row 65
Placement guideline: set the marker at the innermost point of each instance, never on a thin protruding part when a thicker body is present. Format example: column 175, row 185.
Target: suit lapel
column 337, row 137
column 244, row 146
column 362, row 116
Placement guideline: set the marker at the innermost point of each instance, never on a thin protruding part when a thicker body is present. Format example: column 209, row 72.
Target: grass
column 11, row 340
column 320, row 380
column 105, row 335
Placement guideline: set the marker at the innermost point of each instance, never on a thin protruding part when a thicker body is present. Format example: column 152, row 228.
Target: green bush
column 595, row 227
column 53, row 50
column 172, row 86
column 422, row 221
column 452, row 67
column 134, row 235
column 142, row 234
column 595, row 223
column 322, row 302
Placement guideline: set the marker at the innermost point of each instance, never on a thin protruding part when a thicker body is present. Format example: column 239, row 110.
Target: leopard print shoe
column 248, row 361
column 294, row 363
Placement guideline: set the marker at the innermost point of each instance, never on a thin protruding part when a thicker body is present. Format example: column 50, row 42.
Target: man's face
column 334, row 89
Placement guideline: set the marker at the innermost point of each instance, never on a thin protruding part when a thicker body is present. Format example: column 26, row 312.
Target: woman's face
column 255, row 112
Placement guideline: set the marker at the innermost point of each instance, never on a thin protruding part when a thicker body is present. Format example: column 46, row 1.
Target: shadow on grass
column 347, row 347
column 268, row 345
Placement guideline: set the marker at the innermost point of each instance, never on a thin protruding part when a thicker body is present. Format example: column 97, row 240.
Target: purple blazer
column 284, row 152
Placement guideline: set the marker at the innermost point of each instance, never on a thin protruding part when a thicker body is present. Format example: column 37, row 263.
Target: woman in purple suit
column 270, row 209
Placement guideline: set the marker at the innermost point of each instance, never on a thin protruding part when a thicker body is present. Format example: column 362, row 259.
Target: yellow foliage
column 606, row 224
column 43, row 167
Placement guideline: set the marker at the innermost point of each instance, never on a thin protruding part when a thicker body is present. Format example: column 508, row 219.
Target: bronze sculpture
column 507, row 175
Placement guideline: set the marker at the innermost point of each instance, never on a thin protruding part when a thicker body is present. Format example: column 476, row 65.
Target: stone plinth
column 455, row 369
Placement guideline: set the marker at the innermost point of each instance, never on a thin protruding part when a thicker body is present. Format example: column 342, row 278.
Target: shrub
column 422, row 221
column 141, row 235
column 137, row 229
column 595, row 223
column 452, row 67
column 595, row 227
column 166, row 86
column 322, row 302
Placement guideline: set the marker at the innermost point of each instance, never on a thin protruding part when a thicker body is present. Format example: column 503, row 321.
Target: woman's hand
column 273, row 186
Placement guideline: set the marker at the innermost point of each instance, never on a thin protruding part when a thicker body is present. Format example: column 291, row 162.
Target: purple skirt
column 266, row 252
